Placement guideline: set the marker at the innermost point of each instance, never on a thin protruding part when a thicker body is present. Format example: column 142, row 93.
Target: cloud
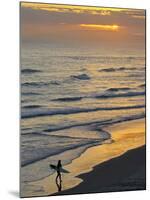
column 73, row 9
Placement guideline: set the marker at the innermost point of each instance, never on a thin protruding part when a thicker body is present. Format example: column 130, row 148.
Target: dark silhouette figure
column 58, row 177
column 59, row 185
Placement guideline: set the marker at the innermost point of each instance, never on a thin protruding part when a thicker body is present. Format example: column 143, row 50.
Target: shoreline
column 109, row 177
column 125, row 136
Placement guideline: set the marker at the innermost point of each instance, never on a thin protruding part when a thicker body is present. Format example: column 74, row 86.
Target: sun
column 103, row 27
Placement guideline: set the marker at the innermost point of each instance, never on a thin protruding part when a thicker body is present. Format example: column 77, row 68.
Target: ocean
column 67, row 96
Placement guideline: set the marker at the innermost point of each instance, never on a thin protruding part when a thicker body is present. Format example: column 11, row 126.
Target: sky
column 68, row 25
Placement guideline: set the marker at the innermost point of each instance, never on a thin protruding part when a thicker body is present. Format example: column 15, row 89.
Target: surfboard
column 62, row 170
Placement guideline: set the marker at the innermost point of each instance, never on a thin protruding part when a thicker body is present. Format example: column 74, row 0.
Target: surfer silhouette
column 58, row 168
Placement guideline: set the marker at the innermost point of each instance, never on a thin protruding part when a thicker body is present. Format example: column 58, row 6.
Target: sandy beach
column 114, row 165
column 123, row 173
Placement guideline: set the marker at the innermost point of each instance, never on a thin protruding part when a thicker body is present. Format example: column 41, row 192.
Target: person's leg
column 57, row 177
column 58, row 182
column 60, row 177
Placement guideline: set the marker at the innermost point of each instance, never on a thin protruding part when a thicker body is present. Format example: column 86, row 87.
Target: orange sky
column 72, row 25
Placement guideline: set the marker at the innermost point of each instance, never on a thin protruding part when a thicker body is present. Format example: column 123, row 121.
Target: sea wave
column 43, row 150
column 68, row 99
column 118, row 89
column 30, row 93
column 98, row 123
column 30, row 71
column 55, row 82
column 81, row 77
column 40, row 83
column 32, row 106
column 113, row 95
column 36, row 84
column 41, row 153
column 67, row 111
column 117, row 69
column 109, row 93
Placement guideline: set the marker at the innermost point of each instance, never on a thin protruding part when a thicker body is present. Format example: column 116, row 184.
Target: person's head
column 59, row 161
